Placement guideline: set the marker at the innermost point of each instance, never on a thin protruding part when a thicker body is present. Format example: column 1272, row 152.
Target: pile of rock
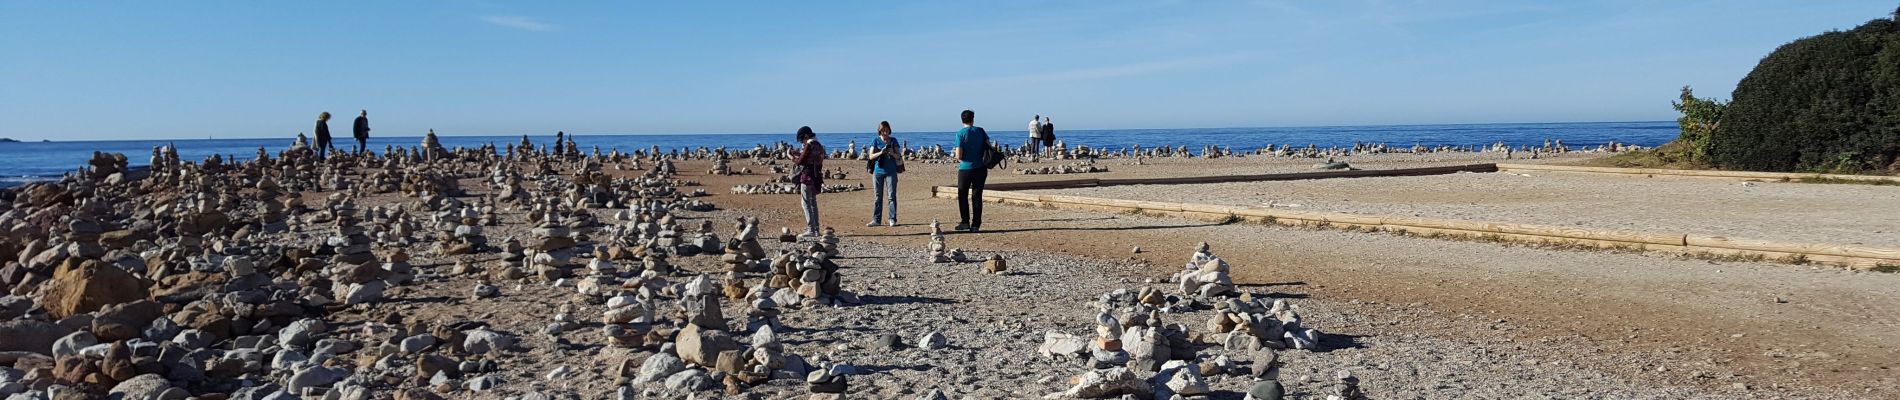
column 743, row 253
column 810, row 274
column 792, row 188
column 1250, row 325
column 1205, row 276
column 1134, row 353
column 1082, row 167
column 349, row 242
column 940, row 251
column 107, row 168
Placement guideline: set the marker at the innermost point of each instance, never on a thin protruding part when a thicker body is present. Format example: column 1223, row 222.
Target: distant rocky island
column 8, row 140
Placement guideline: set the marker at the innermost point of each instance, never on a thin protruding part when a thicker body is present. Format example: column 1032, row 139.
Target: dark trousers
column 362, row 145
column 970, row 195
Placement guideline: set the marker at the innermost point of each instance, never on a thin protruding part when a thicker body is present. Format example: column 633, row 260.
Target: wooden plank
column 1539, row 230
column 1825, row 249
column 1287, row 215
column 1157, row 206
column 1300, row 175
column 1208, row 208
column 1767, row 176
column 1039, row 185
column 1848, row 255
column 1605, row 244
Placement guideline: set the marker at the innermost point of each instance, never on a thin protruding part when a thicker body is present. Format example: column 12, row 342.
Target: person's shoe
column 962, row 227
column 975, row 229
column 872, row 224
column 892, row 223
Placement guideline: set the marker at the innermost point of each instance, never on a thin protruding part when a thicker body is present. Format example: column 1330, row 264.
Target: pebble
column 932, row 341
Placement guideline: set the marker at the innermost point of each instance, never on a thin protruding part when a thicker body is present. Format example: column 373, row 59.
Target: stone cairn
column 1249, row 322
column 1345, row 387
column 1080, row 167
column 1205, row 275
column 743, row 253
column 940, row 251
column 1134, row 353
column 810, row 274
column 262, row 278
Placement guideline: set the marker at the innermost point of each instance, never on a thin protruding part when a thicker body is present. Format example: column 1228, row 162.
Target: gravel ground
column 995, row 322
column 1410, row 318
column 1778, row 330
column 1845, row 214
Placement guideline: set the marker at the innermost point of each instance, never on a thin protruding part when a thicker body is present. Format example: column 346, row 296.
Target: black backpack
column 991, row 157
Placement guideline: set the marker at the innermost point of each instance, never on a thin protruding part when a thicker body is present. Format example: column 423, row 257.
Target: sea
column 22, row 162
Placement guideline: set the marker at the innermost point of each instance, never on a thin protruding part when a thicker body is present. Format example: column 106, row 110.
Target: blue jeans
column 881, row 184
column 808, row 195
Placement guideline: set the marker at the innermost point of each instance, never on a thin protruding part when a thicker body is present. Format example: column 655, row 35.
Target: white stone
column 1062, row 345
column 932, row 341
column 481, row 341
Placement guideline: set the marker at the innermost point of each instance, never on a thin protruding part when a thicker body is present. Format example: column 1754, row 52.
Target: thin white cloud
column 1109, row 72
column 518, row 22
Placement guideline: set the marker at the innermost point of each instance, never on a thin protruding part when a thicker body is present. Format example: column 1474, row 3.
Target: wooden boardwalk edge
column 1734, row 175
column 1853, row 256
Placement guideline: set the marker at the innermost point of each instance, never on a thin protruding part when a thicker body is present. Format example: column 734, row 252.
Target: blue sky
column 151, row 69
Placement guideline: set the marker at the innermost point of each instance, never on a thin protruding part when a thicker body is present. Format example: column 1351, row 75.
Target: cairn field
column 517, row 287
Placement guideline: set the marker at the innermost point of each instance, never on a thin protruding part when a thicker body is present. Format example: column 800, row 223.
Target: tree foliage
column 1700, row 118
column 1830, row 102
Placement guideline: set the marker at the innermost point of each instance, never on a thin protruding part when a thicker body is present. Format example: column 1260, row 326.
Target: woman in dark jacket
column 323, row 134
column 809, row 162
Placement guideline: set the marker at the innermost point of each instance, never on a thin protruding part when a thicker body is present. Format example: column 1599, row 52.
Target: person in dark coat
column 323, row 135
column 810, row 160
column 1048, row 133
column 361, row 131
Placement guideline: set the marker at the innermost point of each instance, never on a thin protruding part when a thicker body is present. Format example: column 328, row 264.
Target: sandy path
column 1844, row 214
column 1645, row 318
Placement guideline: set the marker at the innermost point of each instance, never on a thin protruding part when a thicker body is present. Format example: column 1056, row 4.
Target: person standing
column 887, row 160
column 809, row 166
column 361, row 131
column 972, row 170
column 1035, row 134
column 323, row 135
column 1048, row 133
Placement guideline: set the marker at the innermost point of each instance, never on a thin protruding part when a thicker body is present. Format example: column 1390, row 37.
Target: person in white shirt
column 1035, row 134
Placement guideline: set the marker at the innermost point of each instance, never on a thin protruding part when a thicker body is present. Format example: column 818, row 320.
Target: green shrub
column 1827, row 103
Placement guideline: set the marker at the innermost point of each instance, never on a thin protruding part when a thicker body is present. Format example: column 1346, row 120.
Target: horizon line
column 775, row 133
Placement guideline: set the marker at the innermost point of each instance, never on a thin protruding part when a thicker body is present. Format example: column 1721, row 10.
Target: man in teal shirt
column 972, row 144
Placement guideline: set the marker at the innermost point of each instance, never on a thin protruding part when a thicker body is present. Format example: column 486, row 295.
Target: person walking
column 323, row 135
column 887, row 160
column 1035, row 134
column 809, row 174
column 1048, row 133
column 361, row 131
column 973, row 143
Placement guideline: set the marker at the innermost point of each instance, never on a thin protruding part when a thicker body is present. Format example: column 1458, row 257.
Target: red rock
column 90, row 285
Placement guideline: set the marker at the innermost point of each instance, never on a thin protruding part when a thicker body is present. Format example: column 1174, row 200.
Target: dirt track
column 1774, row 329
column 1840, row 214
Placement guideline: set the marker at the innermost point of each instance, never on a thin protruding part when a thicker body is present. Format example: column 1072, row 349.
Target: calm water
column 20, row 162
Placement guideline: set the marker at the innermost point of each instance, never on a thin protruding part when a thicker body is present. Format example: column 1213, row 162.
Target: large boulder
column 701, row 346
column 482, row 341
column 125, row 320
column 145, row 387
column 87, row 286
